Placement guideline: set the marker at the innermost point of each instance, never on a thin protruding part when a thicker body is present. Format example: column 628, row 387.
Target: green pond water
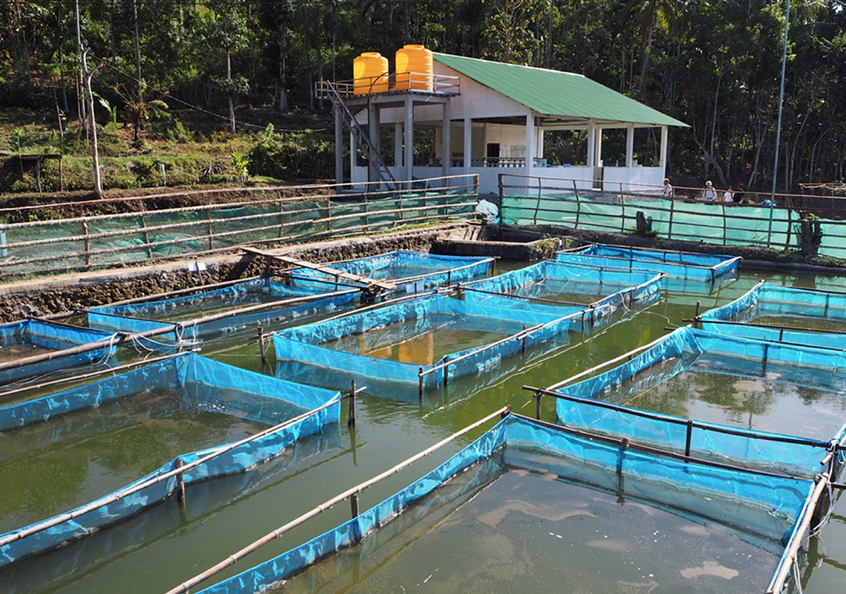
column 155, row 551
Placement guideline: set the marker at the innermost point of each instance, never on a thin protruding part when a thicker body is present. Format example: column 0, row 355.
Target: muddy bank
column 73, row 292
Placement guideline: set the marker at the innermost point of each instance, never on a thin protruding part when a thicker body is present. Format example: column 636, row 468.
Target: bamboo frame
column 349, row 493
column 56, row 520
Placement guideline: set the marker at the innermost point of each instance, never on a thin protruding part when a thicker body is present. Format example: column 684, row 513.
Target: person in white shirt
column 667, row 189
column 709, row 194
column 728, row 196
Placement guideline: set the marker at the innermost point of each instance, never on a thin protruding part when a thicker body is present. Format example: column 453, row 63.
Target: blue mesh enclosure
column 767, row 300
column 679, row 265
column 204, row 385
column 688, row 349
column 768, row 504
column 134, row 318
column 605, row 289
column 410, row 270
column 34, row 337
column 505, row 327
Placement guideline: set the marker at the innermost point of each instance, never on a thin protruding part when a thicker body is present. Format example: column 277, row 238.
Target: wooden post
column 261, row 344
column 420, row 387
column 538, row 396
column 446, row 370
column 209, row 227
column 351, row 415
column 696, row 321
column 180, row 482
column 354, row 505
column 688, row 437
column 146, row 236
column 87, row 244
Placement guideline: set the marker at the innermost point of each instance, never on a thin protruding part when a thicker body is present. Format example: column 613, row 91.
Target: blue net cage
column 760, row 508
column 784, row 314
column 29, row 338
column 604, row 290
column 411, row 271
column 281, row 412
column 407, row 343
column 677, row 265
column 161, row 314
column 737, row 366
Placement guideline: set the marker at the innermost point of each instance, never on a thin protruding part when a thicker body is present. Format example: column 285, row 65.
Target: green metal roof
column 555, row 93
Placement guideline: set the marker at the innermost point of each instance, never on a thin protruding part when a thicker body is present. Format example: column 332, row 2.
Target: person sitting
column 709, row 194
column 666, row 189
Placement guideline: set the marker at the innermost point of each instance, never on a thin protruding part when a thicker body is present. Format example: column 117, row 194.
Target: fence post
column 578, row 203
column 210, row 229
column 672, row 211
column 538, row 396
column 622, row 210
column 724, row 222
column 328, row 213
column 146, row 236
column 770, row 227
column 87, row 244
column 261, row 343
column 281, row 218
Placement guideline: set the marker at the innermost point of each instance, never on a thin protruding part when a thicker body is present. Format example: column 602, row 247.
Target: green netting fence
column 538, row 201
column 317, row 212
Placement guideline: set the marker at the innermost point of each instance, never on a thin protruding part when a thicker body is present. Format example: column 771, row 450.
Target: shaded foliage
column 714, row 64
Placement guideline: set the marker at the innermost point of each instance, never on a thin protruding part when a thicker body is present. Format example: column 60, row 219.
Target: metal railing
column 791, row 224
column 269, row 215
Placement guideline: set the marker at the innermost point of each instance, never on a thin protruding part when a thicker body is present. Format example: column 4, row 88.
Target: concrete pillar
column 408, row 161
column 373, row 135
column 630, row 146
column 530, row 143
column 664, row 146
column 446, row 158
column 591, row 145
column 598, row 157
column 397, row 145
column 468, row 144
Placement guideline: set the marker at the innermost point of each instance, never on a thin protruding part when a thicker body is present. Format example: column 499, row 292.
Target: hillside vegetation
column 185, row 90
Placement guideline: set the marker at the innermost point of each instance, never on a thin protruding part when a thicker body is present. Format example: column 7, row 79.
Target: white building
column 490, row 118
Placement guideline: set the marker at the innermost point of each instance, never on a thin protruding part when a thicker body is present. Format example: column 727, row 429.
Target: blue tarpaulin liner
column 607, row 289
column 412, row 271
column 686, row 349
column 133, row 318
column 205, row 385
column 704, row 493
column 677, row 265
column 18, row 337
column 520, row 325
column 765, row 304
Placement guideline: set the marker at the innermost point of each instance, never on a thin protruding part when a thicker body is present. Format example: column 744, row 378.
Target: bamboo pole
column 119, row 338
column 271, row 536
column 627, row 356
column 791, row 550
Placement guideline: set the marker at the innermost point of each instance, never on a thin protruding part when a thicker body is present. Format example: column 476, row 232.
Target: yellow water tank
column 414, row 68
column 370, row 73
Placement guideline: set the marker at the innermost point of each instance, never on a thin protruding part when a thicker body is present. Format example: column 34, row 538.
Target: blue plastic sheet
column 160, row 314
column 25, row 335
column 520, row 326
column 677, row 265
column 413, row 272
column 765, row 305
column 205, row 384
column 708, row 489
column 604, row 290
column 688, row 348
